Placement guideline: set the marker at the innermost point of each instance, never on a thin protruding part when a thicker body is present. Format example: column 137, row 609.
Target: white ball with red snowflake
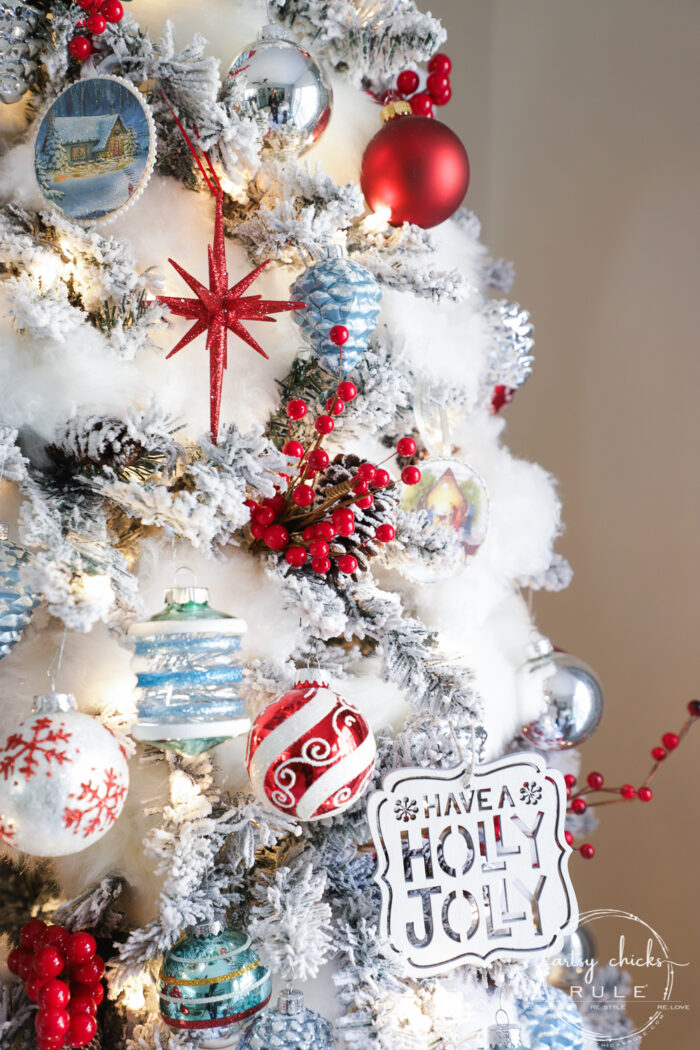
column 311, row 752
column 63, row 779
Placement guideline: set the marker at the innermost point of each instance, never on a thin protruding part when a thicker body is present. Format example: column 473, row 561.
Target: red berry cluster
column 296, row 522
column 596, row 781
column 67, row 1006
column 101, row 12
column 437, row 90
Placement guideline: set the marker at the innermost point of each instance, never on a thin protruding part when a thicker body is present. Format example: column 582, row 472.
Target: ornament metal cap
column 208, row 929
column 48, row 702
column 503, row 1035
column 183, row 595
column 398, row 108
column 312, row 676
column 273, row 32
column 538, row 646
column 290, row 1001
column 4, row 531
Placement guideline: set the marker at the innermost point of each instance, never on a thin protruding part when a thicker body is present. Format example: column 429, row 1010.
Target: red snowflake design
column 42, row 743
column 7, row 834
column 101, row 807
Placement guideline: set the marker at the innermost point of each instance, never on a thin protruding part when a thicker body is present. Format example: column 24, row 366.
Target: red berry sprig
column 300, row 523
column 437, row 90
column 62, row 974
column 100, row 12
column 595, row 782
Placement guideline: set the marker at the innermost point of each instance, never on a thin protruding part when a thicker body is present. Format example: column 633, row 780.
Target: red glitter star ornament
column 218, row 310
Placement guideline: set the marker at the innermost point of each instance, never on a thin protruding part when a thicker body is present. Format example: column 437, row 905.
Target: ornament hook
column 56, row 662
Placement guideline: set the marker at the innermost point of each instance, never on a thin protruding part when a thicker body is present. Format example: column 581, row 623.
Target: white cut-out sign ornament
column 473, row 874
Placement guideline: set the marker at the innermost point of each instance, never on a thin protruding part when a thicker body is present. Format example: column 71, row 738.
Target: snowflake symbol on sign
column 40, row 745
column 405, row 809
column 100, row 809
column 530, row 793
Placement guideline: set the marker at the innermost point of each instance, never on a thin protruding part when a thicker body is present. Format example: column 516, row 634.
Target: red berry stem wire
column 595, row 782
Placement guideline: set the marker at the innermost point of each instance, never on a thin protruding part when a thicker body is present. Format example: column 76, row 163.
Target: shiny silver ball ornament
column 289, row 1026
column 279, row 85
column 63, row 779
column 569, row 692
column 574, row 958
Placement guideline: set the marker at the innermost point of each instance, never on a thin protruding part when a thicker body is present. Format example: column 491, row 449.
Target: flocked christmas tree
column 338, row 486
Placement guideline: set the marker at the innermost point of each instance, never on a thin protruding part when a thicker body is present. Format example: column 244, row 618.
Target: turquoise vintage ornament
column 189, row 669
column 337, row 292
column 17, row 603
column 289, row 1026
column 210, row 981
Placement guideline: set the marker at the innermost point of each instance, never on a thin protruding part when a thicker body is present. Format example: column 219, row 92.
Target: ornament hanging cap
column 273, row 32
column 290, row 1002
column 49, row 702
column 208, row 929
column 311, row 676
column 503, row 1035
column 538, row 647
column 4, row 531
column 183, row 595
column 398, row 108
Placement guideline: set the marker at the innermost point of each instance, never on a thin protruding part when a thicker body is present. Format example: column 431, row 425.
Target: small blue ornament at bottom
column 553, row 1022
column 289, row 1026
column 210, row 981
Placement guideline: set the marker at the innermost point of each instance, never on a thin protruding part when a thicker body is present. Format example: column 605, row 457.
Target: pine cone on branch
column 94, row 442
column 362, row 543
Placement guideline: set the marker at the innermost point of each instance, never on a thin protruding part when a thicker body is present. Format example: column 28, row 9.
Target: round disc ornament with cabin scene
column 453, row 497
column 95, row 149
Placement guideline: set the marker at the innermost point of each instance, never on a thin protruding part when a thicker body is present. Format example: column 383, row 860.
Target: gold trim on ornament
column 214, row 979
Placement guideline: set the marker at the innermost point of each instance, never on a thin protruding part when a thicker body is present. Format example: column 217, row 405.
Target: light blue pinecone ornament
column 17, row 603
column 189, row 670
column 553, row 1022
column 289, row 1026
column 337, row 292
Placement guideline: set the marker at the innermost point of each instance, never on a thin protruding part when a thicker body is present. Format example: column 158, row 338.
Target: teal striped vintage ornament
column 211, row 981
column 337, row 292
column 189, row 670
column 17, row 603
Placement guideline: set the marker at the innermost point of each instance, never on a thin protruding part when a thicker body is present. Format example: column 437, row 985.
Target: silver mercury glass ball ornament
column 21, row 32
column 289, row 1026
column 570, row 692
column 280, row 85
column 577, row 952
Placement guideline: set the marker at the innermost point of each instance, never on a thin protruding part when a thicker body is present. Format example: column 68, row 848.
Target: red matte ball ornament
column 416, row 168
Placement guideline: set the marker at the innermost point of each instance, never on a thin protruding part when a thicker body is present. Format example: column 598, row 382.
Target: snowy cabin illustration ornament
column 95, row 149
column 473, row 871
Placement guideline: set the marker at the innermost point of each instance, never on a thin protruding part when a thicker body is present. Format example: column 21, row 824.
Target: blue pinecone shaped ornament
column 289, row 1026
column 337, row 291
column 17, row 603
column 553, row 1022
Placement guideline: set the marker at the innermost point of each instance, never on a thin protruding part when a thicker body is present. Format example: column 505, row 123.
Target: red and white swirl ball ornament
column 63, row 779
column 310, row 753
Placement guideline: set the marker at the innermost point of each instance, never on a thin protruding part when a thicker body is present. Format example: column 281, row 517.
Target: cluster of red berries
column 67, row 1006
column 437, row 91
column 596, row 781
column 276, row 518
column 100, row 13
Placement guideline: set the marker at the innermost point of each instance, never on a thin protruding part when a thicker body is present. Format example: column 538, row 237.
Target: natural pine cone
column 383, row 510
column 94, row 442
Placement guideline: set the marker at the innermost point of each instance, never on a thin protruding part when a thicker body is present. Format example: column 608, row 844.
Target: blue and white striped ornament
column 189, row 670
column 289, row 1026
column 553, row 1022
column 210, row 982
column 17, row 603
column 337, row 292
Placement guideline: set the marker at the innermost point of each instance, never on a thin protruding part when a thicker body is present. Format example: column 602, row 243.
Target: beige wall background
column 581, row 121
